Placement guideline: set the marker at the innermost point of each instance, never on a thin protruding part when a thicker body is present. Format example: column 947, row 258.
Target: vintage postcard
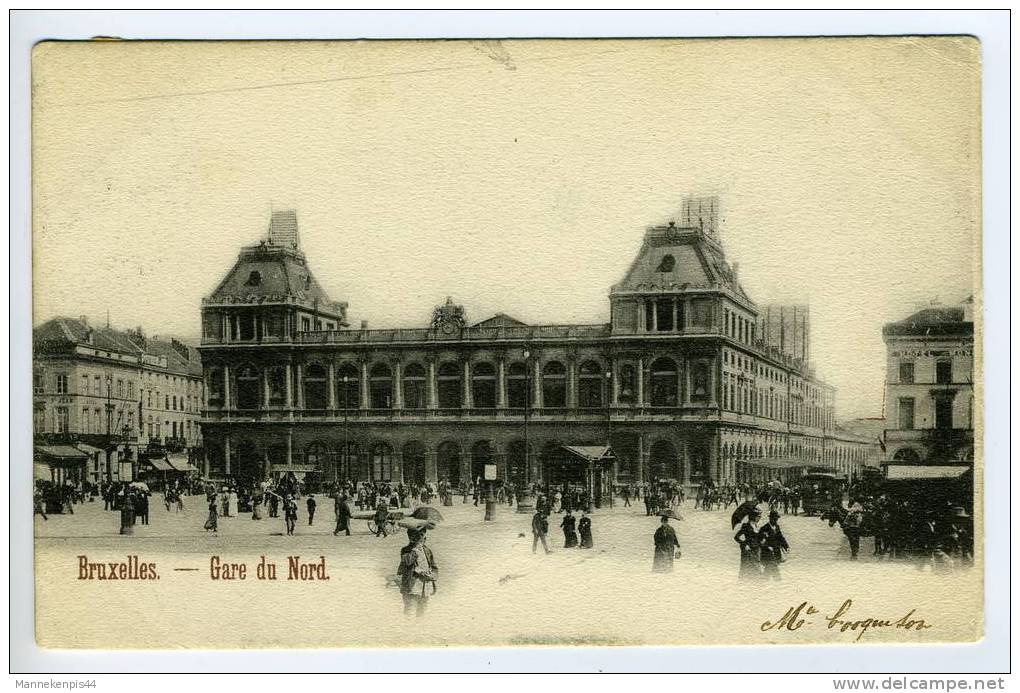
column 507, row 343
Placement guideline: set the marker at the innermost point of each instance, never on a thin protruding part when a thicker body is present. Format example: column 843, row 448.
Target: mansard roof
column 932, row 322
column 676, row 259
column 275, row 271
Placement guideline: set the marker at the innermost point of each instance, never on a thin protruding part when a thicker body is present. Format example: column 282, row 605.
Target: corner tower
column 680, row 281
column 270, row 293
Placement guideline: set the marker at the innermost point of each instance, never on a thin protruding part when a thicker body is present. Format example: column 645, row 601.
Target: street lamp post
column 525, row 503
column 345, row 462
column 109, row 426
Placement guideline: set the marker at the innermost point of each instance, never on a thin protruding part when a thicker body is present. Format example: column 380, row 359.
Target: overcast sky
column 517, row 177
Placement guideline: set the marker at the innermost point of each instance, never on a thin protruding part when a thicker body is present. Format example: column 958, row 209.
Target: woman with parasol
column 665, row 542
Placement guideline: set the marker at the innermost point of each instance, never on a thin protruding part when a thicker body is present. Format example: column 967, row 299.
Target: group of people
column 576, row 532
column 761, row 546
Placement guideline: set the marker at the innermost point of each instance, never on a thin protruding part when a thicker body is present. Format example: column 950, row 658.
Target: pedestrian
column 749, row 541
column 852, row 526
column 37, row 504
column 382, row 516
column 256, row 506
column 290, row 514
column 626, row 496
column 232, row 503
column 665, row 543
column 343, row 516
column 584, row 527
column 213, row 520
column 569, row 530
column 417, row 573
column 772, row 544
column 311, row 508
column 539, row 528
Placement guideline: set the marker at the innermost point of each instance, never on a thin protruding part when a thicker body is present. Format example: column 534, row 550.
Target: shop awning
column 778, row 463
column 591, row 453
column 57, row 454
column 161, row 465
column 88, row 449
column 896, row 472
column 180, row 463
column 293, row 468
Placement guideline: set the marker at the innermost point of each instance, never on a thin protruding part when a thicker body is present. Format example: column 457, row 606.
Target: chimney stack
column 364, row 324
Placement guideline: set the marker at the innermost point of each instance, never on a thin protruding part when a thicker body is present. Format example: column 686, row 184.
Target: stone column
column 433, row 395
column 331, row 384
column 290, row 448
column 205, row 399
column 205, row 463
column 266, row 469
column 643, row 453
column 431, row 467
column 467, row 403
column 676, row 324
column 364, row 384
column 642, row 326
column 641, row 382
column 398, row 466
column 501, row 402
column 290, row 387
column 265, row 387
column 226, row 454
column 398, row 385
column 713, row 460
column 536, row 386
column 655, row 317
column 572, row 383
column 226, row 388
column 299, row 378
column 615, row 367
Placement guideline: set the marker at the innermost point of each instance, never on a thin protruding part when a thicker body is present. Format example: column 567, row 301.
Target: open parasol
column 426, row 512
column 670, row 513
column 742, row 511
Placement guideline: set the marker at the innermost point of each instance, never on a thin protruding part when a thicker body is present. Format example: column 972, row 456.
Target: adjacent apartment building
column 929, row 392
column 112, row 394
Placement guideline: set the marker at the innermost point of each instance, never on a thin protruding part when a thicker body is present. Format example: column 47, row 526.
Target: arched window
column 517, row 385
column 380, row 384
column 516, row 462
column 382, row 462
column 348, row 462
column 481, row 455
column 316, row 396
column 448, row 462
column 628, row 384
column 449, row 386
column 415, row 387
column 908, row 455
column 701, row 381
column 664, row 383
column 348, row 394
column 483, row 385
column 247, row 384
column 317, row 456
column 662, row 460
column 413, row 460
column 213, row 385
column 554, row 385
column 277, row 386
column 590, row 384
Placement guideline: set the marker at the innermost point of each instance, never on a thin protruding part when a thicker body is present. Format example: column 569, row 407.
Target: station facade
column 684, row 382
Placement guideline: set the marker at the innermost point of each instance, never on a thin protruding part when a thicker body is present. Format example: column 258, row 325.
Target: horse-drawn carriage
column 820, row 491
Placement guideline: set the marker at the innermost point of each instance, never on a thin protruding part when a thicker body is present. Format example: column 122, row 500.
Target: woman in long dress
column 232, row 503
column 665, row 542
column 584, row 527
column 750, row 543
column 569, row 531
column 256, row 506
column 211, row 523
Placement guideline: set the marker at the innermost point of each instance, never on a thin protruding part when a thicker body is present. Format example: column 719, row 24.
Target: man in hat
column 852, row 526
column 417, row 573
column 290, row 514
column 539, row 528
column 382, row 515
column 665, row 542
column 772, row 543
column 311, row 507
column 343, row 514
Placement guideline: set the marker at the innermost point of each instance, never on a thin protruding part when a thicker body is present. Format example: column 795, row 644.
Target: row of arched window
column 252, row 389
